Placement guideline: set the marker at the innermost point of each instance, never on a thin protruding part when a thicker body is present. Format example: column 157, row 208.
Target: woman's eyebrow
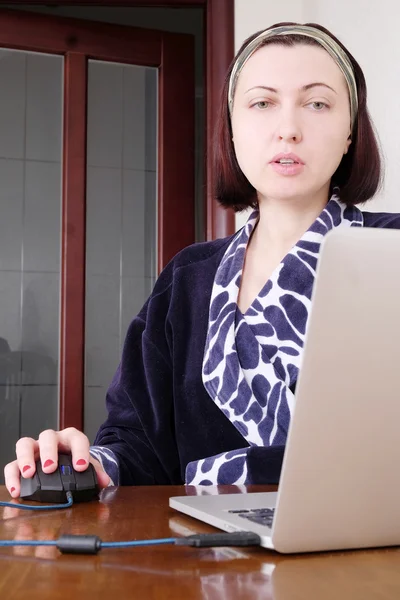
column 305, row 88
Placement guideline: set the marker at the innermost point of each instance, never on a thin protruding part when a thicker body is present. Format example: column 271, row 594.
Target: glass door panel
column 30, row 212
column 121, row 217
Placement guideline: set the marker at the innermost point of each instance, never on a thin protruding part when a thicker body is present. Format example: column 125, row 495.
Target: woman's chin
column 293, row 191
column 288, row 196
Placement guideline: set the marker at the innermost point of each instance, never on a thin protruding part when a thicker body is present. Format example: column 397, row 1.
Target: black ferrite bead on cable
column 79, row 544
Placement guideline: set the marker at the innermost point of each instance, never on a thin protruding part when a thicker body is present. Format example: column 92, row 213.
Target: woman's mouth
column 286, row 167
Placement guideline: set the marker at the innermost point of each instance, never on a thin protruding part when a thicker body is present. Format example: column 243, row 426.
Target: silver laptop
column 340, row 480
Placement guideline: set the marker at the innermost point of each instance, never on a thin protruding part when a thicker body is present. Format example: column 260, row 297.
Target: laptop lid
column 340, row 484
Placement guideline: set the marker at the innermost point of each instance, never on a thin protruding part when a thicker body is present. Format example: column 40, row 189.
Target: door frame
column 219, row 50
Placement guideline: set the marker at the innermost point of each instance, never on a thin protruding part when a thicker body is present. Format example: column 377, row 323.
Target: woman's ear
column 347, row 145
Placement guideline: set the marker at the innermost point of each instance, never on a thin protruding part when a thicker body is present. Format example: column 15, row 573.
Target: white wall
column 376, row 50
column 255, row 15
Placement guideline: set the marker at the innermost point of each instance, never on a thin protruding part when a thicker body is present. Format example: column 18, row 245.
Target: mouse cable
column 45, row 507
column 92, row 544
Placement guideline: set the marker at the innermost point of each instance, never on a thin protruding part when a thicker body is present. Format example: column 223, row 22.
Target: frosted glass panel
column 30, row 211
column 121, row 219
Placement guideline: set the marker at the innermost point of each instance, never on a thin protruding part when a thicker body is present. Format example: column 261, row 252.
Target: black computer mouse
column 51, row 488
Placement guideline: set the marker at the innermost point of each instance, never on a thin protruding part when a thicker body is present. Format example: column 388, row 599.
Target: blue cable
column 46, row 507
column 84, row 544
column 28, row 543
column 137, row 543
column 92, row 544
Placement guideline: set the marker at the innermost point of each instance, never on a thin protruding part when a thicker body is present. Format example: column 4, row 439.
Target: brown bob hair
column 359, row 174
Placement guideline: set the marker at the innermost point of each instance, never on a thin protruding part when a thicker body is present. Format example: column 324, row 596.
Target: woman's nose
column 289, row 129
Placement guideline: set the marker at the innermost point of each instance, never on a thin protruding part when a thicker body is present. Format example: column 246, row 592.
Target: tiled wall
column 30, row 200
column 121, row 217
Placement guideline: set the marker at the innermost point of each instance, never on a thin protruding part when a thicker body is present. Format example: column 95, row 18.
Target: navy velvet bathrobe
column 160, row 417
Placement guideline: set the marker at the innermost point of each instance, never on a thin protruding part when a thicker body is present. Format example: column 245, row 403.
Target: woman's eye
column 262, row 104
column 318, row 106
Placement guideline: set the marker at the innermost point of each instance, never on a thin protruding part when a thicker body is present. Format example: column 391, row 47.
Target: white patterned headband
column 329, row 44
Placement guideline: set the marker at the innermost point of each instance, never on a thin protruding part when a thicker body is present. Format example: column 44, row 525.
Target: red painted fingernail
column 12, row 490
column 81, row 462
column 48, row 463
column 26, row 468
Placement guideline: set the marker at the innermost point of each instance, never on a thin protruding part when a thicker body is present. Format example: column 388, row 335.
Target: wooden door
column 75, row 44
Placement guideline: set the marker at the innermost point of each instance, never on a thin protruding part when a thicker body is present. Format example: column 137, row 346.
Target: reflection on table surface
column 174, row 571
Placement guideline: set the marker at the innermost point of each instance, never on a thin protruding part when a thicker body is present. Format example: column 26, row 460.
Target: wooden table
column 174, row 572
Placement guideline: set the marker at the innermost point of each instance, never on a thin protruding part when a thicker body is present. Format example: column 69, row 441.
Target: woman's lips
column 288, row 168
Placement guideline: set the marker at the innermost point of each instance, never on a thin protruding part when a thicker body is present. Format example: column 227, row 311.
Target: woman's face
column 290, row 100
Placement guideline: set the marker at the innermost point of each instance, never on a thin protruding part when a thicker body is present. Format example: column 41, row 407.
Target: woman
column 206, row 383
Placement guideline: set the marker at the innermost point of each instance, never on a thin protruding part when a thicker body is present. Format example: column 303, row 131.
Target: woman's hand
column 47, row 448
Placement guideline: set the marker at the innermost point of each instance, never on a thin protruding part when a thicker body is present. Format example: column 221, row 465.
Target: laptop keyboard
column 261, row 516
